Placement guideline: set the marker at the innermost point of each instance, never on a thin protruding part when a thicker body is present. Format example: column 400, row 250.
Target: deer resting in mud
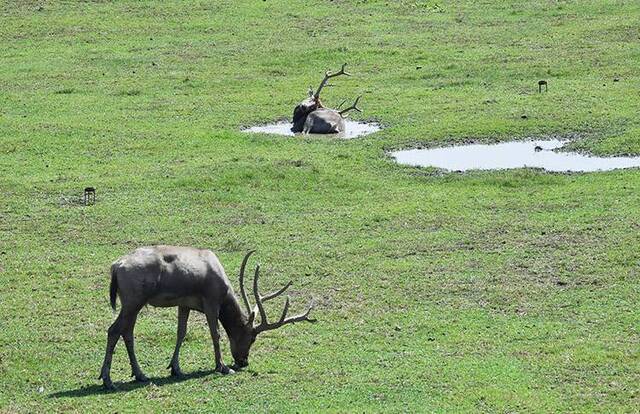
column 312, row 117
column 191, row 279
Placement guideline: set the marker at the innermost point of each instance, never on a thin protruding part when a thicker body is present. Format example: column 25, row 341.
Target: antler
column 245, row 299
column 328, row 76
column 354, row 106
column 260, row 299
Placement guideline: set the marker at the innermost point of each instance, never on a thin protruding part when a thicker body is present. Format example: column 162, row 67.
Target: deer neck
column 232, row 318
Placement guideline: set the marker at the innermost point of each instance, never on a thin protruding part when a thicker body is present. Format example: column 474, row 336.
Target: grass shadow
column 85, row 391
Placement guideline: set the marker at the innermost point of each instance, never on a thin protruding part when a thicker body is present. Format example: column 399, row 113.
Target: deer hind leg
column 183, row 317
column 129, row 322
column 113, row 334
column 212, row 311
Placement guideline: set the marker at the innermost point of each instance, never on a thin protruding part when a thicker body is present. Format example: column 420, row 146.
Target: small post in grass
column 542, row 83
column 89, row 196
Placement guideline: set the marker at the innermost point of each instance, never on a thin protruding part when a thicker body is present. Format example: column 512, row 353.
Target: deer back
column 162, row 275
column 324, row 121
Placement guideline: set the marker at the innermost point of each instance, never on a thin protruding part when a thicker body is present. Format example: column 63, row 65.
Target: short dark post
column 541, row 84
column 89, row 195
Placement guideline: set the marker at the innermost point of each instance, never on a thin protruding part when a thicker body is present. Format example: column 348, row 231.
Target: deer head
column 241, row 344
column 304, row 108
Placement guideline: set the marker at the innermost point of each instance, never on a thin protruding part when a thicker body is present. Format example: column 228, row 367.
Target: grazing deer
column 311, row 117
column 188, row 278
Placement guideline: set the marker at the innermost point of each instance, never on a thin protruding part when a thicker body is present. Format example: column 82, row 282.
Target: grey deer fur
column 312, row 117
column 191, row 279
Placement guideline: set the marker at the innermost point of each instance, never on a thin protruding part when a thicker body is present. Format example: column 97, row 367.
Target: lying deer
column 311, row 117
column 188, row 278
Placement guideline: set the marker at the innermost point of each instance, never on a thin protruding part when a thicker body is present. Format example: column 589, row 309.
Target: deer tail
column 113, row 287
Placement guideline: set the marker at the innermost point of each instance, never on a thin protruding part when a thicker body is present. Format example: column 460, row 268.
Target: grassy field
column 511, row 291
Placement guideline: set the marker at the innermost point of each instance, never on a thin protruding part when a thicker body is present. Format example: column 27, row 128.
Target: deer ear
column 252, row 317
column 310, row 91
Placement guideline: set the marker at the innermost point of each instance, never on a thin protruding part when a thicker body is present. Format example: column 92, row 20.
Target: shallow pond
column 353, row 129
column 536, row 154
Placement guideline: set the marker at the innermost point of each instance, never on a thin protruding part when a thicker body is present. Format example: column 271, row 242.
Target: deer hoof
column 225, row 370
column 236, row 368
column 108, row 385
column 176, row 372
column 141, row 377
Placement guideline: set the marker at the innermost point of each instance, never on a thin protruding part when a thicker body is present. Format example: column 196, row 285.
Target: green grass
column 511, row 291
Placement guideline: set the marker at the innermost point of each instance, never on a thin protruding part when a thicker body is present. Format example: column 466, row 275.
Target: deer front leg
column 212, row 311
column 183, row 317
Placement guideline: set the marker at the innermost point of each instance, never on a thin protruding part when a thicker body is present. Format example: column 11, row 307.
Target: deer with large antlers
column 191, row 279
column 312, row 117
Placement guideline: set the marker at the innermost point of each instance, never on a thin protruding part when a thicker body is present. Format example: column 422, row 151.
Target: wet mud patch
column 547, row 154
column 353, row 129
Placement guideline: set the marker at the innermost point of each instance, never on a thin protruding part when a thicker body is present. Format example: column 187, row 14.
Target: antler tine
column 264, row 324
column 301, row 317
column 328, row 75
column 243, row 293
column 341, row 103
column 256, row 295
column 284, row 311
column 275, row 294
column 354, row 106
column 284, row 320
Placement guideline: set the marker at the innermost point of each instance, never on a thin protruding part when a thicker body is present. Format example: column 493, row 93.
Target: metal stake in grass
column 89, row 196
column 541, row 84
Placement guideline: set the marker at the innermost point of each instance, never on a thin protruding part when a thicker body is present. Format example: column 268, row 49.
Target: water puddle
column 353, row 129
column 533, row 154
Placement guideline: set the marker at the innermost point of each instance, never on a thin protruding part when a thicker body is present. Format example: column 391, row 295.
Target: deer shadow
column 85, row 391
